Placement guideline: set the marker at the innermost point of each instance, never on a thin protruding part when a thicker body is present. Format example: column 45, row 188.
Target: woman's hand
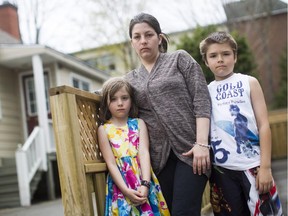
column 201, row 158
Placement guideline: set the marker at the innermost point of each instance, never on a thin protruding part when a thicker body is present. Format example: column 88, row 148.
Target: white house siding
column 10, row 123
column 64, row 77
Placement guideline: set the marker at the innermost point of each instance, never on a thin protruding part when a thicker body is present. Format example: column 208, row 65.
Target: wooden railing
column 81, row 166
column 278, row 125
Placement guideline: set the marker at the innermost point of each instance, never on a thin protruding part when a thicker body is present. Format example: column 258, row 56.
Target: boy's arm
column 264, row 179
column 109, row 158
column 144, row 155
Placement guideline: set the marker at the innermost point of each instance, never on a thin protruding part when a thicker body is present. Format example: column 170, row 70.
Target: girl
column 132, row 187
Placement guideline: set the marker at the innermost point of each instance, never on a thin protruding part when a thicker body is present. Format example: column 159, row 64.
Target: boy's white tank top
column 234, row 133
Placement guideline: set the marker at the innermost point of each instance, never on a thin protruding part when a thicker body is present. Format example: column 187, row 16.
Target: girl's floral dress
column 124, row 142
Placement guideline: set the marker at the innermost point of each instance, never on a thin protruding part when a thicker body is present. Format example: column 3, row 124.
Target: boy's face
column 220, row 60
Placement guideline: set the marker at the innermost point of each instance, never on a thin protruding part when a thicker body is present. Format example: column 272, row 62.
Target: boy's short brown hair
column 220, row 37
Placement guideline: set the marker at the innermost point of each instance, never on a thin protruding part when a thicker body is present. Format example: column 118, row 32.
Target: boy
column 241, row 181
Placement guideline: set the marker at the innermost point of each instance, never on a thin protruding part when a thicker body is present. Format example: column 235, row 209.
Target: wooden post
column 82, row 170
column 23, row 178
column 71, row 172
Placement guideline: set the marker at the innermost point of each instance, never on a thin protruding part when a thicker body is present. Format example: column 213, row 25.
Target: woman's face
column 145, row 41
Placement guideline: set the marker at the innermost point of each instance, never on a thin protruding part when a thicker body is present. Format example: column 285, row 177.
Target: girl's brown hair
column 110, row 87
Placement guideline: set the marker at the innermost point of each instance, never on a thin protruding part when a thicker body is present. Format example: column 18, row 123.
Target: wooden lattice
column 88, row 121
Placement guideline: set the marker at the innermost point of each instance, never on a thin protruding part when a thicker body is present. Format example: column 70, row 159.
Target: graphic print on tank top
column 245, row 139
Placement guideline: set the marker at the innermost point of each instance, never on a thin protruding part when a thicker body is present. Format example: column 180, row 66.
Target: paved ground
column 48, row 208
column 279, row 169
column 55, row 207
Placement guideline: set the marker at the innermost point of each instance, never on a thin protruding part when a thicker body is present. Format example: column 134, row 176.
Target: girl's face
column 145, row 41
column 221, row 60
column 120, row 104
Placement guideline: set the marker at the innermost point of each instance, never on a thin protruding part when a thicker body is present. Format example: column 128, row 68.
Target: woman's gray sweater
column 170, row 98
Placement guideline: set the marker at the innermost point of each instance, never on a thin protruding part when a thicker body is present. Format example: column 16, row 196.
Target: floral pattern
column 124, row 142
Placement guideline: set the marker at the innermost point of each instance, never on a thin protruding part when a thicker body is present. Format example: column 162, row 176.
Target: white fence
column 29, row 158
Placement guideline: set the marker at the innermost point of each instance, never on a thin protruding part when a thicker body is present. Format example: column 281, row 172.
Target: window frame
column 28, row 97
column 82, row 80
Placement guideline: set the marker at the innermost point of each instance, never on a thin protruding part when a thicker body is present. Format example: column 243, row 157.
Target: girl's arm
column 109, row 158
column 144, row 156
column 264, row 180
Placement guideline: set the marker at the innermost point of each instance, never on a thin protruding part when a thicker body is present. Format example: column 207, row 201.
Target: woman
column 173, row 100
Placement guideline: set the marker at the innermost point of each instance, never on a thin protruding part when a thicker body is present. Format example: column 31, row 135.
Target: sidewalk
column 279, row 170
column 55, row 208
column 47, row 208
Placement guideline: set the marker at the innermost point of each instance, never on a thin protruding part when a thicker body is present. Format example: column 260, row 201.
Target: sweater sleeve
column 196, row 84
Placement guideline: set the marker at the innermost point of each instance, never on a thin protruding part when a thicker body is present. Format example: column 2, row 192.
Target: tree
column 245, row 60
column 110, row 21
column 191, row 45
column 281, row 96
column 111, row 26
column 32, row 15
column 45, row 22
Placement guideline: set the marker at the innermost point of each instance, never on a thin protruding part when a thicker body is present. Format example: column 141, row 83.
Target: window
column 31, row 95
column 105, row 62
column 80, row 82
